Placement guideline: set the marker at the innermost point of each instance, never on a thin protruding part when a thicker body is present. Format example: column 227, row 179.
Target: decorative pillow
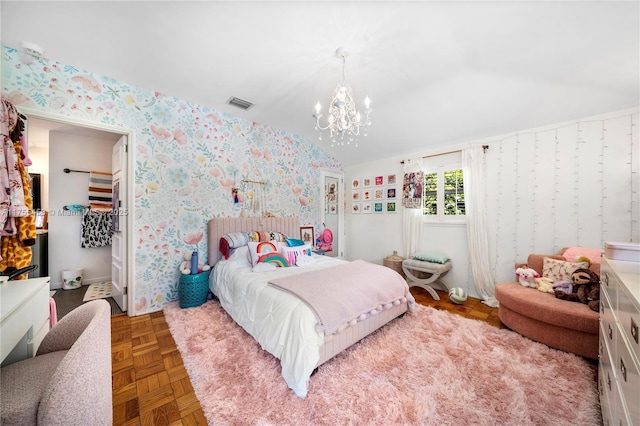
column 292, row 253
column 560, row 270
column 266, row 236
column 573, row 253
column 292, row 242
column 274, row 257
column 432, row 257
column 231, row 241
column 258, row 249
column 240, row 255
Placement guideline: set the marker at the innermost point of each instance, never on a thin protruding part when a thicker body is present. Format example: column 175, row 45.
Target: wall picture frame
column 307, row 235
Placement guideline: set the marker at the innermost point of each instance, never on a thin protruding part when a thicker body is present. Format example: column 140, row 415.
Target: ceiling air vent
column 240, row 103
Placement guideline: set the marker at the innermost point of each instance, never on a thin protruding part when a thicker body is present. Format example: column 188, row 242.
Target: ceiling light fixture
column 344, row 121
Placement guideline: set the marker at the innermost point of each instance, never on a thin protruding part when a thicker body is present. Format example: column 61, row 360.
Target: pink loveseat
column 560, row 324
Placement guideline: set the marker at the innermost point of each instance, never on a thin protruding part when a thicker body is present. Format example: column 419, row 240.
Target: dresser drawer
column 607, row 321
column 620, row 415
column 605, row 403
column 14, row 327
column 609, row 283
column 38, row 335
column 607, row 387
column 629, row 321
column 628, row 374
column 40, row 308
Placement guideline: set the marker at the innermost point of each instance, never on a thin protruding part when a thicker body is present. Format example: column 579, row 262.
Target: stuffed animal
column 564, row 286
column 526, row 276
column 586, row 289
column 185, row 267
column 544, row 284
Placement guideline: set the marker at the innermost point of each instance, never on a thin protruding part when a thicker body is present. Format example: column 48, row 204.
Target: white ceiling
column 39, row 130
column 438, row 73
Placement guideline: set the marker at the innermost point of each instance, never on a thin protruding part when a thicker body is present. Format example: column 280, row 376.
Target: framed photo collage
column 377, row 194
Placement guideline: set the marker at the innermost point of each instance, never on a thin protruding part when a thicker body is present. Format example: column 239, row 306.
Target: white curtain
column 412, row 218
column 473, row 173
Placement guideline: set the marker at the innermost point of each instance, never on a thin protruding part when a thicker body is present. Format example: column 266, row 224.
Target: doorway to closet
column 59, row 143
column 331, row 238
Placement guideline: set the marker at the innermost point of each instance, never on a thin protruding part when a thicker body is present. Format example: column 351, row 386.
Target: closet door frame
column 130, row 134
column 338, row 233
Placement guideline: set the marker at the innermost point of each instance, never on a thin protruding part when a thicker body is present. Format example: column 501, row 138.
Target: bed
column 285, row 326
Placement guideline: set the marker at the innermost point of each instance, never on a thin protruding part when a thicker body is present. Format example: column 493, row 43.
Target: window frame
column 441, row 217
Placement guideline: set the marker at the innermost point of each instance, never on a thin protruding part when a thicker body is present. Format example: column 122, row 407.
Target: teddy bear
column 526, row 276
column 185, row 267
column 586, row 289
column 544, row 284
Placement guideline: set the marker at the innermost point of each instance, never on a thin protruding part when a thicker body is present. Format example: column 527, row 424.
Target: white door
column 119, row 239
column 332, row 187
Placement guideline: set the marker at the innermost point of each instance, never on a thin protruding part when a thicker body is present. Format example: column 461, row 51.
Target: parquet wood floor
column 151, row 385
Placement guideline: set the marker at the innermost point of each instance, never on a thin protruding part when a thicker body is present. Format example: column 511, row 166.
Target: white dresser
column 619, row 368
column 24, row 317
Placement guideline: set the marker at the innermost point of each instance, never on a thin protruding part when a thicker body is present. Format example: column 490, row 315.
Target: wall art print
column 188, row 158
column 412, row 190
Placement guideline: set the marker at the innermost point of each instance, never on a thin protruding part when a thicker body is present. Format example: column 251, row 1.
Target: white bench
column 435, row 269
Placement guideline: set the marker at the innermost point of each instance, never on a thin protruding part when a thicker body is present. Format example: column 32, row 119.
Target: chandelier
column 345, row 121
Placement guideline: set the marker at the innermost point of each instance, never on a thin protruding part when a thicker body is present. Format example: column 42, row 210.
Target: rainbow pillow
column 259, row 249
column 274, row 257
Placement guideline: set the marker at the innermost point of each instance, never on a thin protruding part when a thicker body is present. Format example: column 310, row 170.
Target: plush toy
column 564, row 286
column 526, row 276
column 586, row 289
column 544, row 284
column 185, row 267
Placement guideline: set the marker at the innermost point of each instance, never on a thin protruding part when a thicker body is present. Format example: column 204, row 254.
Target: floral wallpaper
column 188, row 158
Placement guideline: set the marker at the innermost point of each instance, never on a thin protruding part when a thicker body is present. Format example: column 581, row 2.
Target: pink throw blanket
column 345, row 294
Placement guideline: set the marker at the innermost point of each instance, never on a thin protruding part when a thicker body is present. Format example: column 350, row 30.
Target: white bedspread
column 282, row 324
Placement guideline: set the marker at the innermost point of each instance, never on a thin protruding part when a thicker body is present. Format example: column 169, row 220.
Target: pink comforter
column 345, row 294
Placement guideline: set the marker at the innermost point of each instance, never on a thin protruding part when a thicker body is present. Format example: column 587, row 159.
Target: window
column 443, row 193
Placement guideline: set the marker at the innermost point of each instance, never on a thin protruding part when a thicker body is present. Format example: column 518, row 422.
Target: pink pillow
column 572, row 253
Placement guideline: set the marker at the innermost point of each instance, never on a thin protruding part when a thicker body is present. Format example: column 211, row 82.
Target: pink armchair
column 68, row 382
column 568, row 326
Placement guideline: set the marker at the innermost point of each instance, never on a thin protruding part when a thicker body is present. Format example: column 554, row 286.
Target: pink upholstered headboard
column 216, row 228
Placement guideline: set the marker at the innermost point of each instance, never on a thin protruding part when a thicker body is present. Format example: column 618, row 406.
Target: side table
column 193, row 289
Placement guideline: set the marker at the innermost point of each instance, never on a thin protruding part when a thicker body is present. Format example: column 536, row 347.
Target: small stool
column 193, row 289
column 435, row 269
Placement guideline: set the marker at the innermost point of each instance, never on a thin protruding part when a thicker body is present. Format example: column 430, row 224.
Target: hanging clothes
column 20, row 134
column 12, row 194
column 100, row 191
column 16, row 248
column 96, row 228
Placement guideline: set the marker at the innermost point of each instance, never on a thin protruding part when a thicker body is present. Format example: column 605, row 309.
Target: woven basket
column 394, row 262
column 194, row 289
